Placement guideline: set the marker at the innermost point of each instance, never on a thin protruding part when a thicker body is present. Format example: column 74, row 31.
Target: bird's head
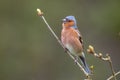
column 69, row 21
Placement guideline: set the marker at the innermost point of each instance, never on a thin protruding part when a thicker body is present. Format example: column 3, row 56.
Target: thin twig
column 113, row 76
column 52, row 31
column 79, row 65
column 100, row 56
column 112, row 69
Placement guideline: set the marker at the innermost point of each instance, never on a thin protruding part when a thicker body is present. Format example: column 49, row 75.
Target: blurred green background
column 28, row 50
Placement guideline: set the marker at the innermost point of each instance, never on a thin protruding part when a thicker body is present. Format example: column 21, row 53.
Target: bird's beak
column 64, row 20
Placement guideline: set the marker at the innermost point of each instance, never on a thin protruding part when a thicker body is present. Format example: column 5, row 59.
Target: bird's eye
column 69, row 20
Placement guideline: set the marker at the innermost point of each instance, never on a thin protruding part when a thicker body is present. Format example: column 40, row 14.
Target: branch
column 78, row 64
column 100, row 56
column 113, row 76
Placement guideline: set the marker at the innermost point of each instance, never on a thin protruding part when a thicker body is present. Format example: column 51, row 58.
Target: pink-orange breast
column 70, row 39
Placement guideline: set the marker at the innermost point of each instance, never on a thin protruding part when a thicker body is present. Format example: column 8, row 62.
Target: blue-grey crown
column 72, row 18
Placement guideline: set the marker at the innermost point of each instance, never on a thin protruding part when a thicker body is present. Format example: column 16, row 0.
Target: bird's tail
column 83, row 61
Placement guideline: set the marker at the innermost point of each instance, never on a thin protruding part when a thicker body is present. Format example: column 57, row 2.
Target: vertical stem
column 111, row 66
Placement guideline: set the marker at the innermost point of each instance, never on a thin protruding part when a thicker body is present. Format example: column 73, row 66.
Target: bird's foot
column 66, row 50
column 76, row 60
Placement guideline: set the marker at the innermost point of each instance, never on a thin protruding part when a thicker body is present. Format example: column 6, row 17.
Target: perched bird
column 72, row 40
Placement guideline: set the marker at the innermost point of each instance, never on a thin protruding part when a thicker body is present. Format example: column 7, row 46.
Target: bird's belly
column 71, row 49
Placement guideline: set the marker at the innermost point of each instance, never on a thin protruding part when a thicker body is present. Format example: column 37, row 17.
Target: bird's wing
column 80, row 37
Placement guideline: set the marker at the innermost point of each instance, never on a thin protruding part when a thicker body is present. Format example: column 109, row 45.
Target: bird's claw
column 76, row 60
column 66, row 50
